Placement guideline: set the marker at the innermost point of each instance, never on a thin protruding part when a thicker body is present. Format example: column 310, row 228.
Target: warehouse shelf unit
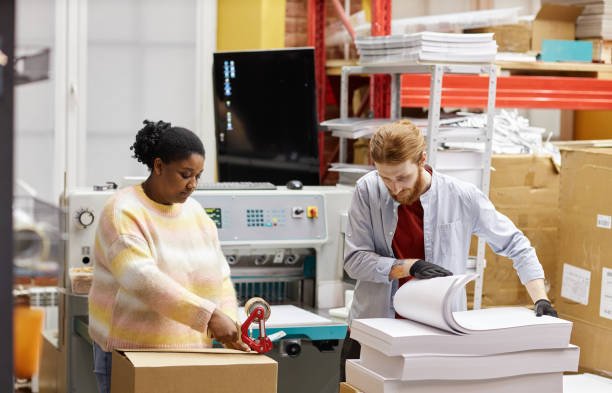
column 539, row 85
column 433, row 135
column 379, row 85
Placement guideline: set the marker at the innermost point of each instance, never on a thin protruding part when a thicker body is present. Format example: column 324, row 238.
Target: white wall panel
column 34, row 102
column 140, row 66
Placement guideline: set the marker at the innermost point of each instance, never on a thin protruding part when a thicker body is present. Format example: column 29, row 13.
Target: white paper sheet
column 287, row 315
column 502, row 318
column 604, row 221
column 424, row 300
column 395, row 337
column 605, row 304
column 430, row 302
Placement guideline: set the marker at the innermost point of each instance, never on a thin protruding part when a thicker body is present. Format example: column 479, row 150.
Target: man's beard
column 409, row 195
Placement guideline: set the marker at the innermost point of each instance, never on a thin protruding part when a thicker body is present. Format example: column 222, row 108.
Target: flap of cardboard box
column 189, row 357
column 562, row 13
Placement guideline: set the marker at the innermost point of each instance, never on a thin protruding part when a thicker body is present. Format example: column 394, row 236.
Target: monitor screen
column 265, row 116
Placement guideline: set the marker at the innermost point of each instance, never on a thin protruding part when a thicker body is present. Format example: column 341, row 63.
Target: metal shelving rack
column 433, row 137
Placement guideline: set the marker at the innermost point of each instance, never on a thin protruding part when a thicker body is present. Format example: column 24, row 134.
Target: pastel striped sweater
column 159, row 274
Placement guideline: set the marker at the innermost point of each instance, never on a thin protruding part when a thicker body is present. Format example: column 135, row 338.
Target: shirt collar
column 433, row 189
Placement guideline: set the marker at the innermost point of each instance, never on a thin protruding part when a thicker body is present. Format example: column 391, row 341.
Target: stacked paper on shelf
column 595, row 20
column 353, row 127
column 358, row 127
column 427, row 47
column 594, row 26
column 438, row 349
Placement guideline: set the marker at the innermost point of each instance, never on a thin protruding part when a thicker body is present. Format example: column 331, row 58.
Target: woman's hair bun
column 160, row 139
column 147, row 140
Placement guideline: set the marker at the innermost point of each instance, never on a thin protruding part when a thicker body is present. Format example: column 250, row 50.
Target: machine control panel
column 270, row 217
column 265, row 216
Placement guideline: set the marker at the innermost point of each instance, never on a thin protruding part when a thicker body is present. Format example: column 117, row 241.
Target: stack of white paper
column 426, row 47
column 358, row 127
column 353, row 127
column 437, row 349
column 595, row 20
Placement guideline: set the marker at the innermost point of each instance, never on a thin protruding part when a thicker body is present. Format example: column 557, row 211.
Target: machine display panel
column 215, row 214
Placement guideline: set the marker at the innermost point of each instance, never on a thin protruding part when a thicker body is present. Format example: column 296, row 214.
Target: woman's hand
column 225, row 330
column 239, row 345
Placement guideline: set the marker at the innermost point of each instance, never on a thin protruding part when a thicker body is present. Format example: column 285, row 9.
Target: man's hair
column 397, row 142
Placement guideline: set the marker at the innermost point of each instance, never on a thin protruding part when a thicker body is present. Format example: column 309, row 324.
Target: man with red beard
column 407, row 220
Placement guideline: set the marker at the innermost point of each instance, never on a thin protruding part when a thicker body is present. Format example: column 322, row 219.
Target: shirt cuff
column 383, row 268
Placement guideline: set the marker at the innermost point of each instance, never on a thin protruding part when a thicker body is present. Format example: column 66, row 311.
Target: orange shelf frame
column 545, row 92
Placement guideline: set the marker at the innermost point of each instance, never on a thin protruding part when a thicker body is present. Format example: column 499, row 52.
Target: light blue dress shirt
column 453, row 210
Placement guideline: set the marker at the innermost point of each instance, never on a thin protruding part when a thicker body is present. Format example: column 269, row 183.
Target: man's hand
column 422, row 269
column 543, row 307
column 225, row 330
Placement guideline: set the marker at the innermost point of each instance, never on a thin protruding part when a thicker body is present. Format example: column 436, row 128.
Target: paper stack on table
column 437, row 349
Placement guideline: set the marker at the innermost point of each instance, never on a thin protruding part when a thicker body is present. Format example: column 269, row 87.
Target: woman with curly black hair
column 160, row 277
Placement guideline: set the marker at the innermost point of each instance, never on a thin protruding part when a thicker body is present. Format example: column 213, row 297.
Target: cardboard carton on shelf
column 552, row 22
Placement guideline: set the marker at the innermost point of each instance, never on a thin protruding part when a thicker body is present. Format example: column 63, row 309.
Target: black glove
column 543, row 307
column 422, row 269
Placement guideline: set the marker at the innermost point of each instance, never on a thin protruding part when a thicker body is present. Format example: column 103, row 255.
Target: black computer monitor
column 265, row 116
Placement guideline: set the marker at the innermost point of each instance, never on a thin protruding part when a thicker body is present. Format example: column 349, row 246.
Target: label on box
column 604, row 222
column 575, row 284
column 605, row 305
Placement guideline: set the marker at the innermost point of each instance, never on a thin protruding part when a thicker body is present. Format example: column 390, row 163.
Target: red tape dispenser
column 258, row 311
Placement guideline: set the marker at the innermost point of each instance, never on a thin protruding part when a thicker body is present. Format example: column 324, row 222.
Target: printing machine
column 283, row 245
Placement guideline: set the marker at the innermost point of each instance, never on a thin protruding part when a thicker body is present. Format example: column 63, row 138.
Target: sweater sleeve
column 228, row 302
column 133, row 266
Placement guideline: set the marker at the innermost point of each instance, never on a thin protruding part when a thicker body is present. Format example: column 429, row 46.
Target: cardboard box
column 509, row 38
column 346, row 388
column 185, row 371
column 554, row 22
column 595, row 343
column 584, row 276
column 526, row 189
column 593, row 124
column 602, row 50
